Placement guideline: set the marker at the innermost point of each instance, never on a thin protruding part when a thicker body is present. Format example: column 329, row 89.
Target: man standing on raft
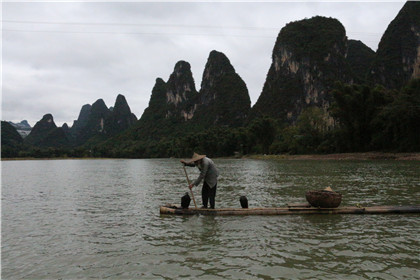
column 209, row 173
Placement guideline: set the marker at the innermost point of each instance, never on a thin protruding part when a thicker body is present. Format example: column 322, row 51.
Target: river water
column 68, row 219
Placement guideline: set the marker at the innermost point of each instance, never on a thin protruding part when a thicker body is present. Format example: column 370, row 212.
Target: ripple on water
column 104, row 223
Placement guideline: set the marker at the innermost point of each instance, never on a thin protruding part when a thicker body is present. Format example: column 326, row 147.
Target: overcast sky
column 58, row 56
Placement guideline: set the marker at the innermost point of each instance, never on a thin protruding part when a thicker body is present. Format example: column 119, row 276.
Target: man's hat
column 195, row 157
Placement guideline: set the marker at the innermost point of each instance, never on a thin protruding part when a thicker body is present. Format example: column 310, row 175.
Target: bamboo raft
column 298, row 209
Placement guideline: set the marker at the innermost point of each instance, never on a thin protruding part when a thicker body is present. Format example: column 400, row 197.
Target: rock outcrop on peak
column 308, row 57
column 120, row 118
column 94, row 124
column 46, row 134
column 97, row 122
column 359, row 58
column 82, row 120
column 217, row 66
column 176, row 108
column 174, row 100
column 171, row 105
column 398, row 57
column 223, row 98
column 98, row 114
column 181, row 93
column 157, row 108
column 42, row 127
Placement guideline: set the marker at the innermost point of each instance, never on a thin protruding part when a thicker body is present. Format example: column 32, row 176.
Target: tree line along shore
column 337, row 156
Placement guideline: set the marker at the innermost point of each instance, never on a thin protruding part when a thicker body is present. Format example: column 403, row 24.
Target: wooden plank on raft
column 175, row 210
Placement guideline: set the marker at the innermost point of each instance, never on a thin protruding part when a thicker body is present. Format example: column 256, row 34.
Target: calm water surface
column 67, row 219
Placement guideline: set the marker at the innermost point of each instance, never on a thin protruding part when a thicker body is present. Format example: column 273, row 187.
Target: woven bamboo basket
column 323, row 198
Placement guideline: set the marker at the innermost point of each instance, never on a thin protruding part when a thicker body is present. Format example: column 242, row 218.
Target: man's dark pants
column 208, row 193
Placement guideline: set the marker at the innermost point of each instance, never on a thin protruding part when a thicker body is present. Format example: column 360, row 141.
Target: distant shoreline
column 342, row 156
column 53, row 158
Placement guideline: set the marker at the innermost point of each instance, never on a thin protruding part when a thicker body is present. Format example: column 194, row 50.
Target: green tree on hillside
column 263, row 132
column 398, row 123
column 354, row 108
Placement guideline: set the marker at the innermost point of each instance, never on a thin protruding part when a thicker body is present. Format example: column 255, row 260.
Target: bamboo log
column 191, row 191
column 172, row 209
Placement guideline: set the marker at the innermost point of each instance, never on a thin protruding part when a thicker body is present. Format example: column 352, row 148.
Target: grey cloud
column 57, row 68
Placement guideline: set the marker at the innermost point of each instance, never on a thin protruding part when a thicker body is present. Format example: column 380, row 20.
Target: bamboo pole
column 189, row 183
column 293, row 211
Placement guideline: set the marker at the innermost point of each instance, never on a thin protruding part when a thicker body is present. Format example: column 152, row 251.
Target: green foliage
column 39, row 135
column 354, row 108
column 359, row 58
column 306, row 137
column 230, row 106
column 56, row 138
column 11, row 141
column 51, row 152
column 262, row 133
column 398, row 123
column 313, row 38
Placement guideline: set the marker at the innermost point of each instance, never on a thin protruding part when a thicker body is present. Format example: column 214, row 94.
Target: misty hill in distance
column 95, row 121
column 23, row 128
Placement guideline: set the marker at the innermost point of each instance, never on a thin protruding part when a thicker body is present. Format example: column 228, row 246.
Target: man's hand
column 183, row 162
column 191, row 186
